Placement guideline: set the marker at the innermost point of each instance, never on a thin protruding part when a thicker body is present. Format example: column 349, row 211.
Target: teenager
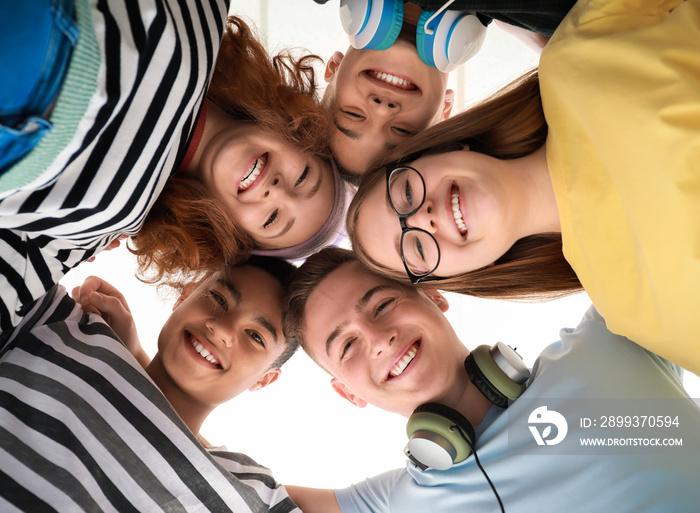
column 142, row 142
column 86, row 428
column 378, row 98
column 507, row 205
column 389, row 345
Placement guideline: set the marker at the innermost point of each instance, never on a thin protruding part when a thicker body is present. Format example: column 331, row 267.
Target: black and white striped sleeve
column 150, row 63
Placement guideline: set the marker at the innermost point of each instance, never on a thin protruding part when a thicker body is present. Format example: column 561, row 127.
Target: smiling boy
column 223, row 337
column 85, row 429
column 389, row 345
column 377, row 98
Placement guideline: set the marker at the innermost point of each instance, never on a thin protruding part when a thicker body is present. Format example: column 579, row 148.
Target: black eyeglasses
column 420, row 252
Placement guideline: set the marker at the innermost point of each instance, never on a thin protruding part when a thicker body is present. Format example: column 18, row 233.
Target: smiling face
column 275, row 192
column 470, row 209
column 385, row 344
column 379, row 98
column 223, row 337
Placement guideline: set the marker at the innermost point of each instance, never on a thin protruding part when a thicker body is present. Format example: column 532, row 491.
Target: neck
column 534, row 194
column 464, row 397
column 192, row 412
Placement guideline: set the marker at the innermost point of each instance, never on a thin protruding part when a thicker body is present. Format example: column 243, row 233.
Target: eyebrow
column 346, row 131
column 268, row 326
column 397, row 241
column 359, row 306
column 237, row 296
column 312, row 192
column 286, row 228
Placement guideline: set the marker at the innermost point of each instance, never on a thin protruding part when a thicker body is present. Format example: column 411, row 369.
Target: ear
column 449, row 104
column 332, row 66
column 343, row 391
column 437, row 298
column 186, row 291
column 270, row 377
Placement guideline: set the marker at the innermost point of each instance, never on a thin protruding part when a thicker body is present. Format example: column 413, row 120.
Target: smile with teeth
column 202, row 351
column 399, row 82
column 457, row 213
column 403, row 362
column 253, row 172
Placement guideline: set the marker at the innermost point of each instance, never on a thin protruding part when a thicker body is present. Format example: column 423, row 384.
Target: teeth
column 393, row 80
column 403, row 362
column 253, row 172
column 204, row 353
column 457, row 213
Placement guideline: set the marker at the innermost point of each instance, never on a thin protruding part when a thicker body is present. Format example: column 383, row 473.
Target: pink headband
column 330, row 232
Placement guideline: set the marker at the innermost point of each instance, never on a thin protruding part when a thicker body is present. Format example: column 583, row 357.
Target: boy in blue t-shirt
column 576, row 437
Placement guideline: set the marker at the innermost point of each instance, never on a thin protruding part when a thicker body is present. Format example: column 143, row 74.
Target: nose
column 425, row 218
column 221, row 331
column 274, row 186
column 382, row 338
column 384, row 105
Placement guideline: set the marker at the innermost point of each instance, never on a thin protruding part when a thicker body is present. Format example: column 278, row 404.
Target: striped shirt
column 123, row 119
column 83, row 428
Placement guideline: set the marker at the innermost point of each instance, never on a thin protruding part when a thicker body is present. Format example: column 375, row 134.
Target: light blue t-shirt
column 589, row 374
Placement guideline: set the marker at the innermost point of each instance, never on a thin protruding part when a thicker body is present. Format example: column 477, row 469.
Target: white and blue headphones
column 444, row 39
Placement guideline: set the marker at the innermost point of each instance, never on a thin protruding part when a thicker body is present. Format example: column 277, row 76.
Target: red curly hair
column 188, row 232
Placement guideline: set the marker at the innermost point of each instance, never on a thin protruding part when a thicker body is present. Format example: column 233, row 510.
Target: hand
column 114, row 244
column 97, row 296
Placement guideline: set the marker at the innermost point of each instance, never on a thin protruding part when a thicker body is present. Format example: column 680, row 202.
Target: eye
column 401, row 131
column 419, row 249
column 271, row 219
column 408, row 192
column 303, row 177
column 256, row 337
column 383, row 305
column 346, row 348
column 353, row 114
column 220, row 300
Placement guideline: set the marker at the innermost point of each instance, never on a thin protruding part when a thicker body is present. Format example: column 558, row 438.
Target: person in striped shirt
column 199, row 164
column 83, row 428
column 223, row 337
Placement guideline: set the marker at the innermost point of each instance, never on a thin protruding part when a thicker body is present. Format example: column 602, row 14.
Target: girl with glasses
column 592, row 185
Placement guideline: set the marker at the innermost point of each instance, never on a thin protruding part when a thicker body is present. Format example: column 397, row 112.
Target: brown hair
column 188, row 231
column 303, row 282
column 508, row 125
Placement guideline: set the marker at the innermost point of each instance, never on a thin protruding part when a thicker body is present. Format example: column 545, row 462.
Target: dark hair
column 188, row 231
column 508, row 125
column 303, row 282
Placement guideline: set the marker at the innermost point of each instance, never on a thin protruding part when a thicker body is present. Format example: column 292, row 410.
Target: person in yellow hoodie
column 597, row 187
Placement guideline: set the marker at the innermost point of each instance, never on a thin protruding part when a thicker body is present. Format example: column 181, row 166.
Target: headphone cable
column 478, row 464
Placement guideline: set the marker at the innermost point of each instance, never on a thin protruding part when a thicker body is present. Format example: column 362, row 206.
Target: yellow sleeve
column 621, row 94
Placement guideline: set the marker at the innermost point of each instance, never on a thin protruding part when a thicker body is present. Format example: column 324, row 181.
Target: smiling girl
column 200, row 174
column 493, row 205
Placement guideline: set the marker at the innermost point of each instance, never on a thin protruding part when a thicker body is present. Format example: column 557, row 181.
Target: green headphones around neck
column 439, row 436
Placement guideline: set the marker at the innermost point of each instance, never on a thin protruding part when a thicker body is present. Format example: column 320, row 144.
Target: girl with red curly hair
column 175, row 127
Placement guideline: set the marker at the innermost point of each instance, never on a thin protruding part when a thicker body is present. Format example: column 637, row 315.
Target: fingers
column 84, row 295
column 109, row 307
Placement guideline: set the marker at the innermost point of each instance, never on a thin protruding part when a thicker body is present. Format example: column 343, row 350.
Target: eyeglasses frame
column 414, row 279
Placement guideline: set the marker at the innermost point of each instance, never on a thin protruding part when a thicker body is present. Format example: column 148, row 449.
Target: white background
column 298, row 426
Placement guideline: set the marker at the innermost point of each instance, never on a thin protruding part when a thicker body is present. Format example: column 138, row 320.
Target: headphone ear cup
column 437, row 436
column 372, row 24
column 488, row 377
column 456, row 37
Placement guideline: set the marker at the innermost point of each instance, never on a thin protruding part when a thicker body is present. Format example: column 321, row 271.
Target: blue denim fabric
column 36, row 37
